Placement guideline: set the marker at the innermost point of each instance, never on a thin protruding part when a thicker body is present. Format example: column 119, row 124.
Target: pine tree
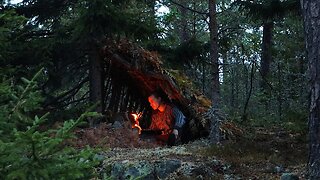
column 267, row 12
column 27, row 152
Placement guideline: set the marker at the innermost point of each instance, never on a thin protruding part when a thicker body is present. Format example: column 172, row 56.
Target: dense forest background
column 248, row 57
column 62, row 38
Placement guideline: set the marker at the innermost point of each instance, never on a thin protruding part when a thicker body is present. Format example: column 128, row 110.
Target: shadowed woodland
column 243, row 73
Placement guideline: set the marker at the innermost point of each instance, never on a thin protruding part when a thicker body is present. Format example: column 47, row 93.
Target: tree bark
column 184, row 35
column 95, row 82
column 203, row 77
column 245, row 114
column 214, row 135
column 194, row 20
column 213, row 26
column 311, row 15
column 266, row 57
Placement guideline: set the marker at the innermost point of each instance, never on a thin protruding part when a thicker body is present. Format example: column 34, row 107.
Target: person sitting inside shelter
column 166, row 118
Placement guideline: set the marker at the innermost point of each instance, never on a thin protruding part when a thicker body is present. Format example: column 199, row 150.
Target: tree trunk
column 194, row 20
column 266, row 57
column 184, row 35
column 203, row 77
column 213, row 27
column 151, row 4
column 96, row 84
column 232, row 99
column 245, row 114
column 311, row 14
column 280, row 94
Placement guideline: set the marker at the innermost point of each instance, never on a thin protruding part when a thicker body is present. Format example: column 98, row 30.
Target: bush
column 27, row 152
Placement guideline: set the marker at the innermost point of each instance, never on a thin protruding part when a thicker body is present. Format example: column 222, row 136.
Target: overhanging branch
column 67, row 94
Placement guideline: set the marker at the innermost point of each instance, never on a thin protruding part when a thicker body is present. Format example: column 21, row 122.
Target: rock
column 164, row 168
column 289, row 176
column 117, row 125
column 187, row 168
column 143, row 169
column 99, row 157
column 228, row 177
column 199, row 171
column 178, row 162
column 131, row 170
column 200, row 177
column 278, row 169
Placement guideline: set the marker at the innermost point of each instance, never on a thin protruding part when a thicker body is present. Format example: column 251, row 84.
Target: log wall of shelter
column 132, row 73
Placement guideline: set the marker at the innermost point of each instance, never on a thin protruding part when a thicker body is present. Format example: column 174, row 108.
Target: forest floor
column 263, row 153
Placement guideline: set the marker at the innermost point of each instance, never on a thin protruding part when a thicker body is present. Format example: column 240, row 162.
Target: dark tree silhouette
column 267, row 11
column 213, row 26
column 311, row 14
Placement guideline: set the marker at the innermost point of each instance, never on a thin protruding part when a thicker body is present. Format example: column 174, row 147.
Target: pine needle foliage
column 26, row 151
column 267, row 9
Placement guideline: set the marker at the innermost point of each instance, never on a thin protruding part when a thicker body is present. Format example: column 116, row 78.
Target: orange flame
column 136, row 121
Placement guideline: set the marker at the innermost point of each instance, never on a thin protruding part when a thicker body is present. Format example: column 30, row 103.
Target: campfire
column 135, row 124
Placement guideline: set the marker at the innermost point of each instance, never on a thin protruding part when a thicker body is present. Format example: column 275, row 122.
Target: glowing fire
column 136, row 121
